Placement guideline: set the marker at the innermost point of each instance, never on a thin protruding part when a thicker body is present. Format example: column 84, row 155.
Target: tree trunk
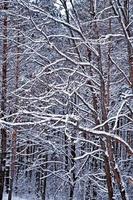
column 13, row 159
column 3, row 103
column 14, row 135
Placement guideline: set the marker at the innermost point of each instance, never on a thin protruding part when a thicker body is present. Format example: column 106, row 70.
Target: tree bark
column 3, row 102
column 14, row 134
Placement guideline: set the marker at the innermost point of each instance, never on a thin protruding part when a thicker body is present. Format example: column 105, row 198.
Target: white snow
column 13, row 198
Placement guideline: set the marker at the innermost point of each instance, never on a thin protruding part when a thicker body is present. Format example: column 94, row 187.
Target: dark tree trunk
column 14, row 135
column 3, row 104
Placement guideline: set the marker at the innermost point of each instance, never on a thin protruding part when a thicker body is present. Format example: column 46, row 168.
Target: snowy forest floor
column 17, row 198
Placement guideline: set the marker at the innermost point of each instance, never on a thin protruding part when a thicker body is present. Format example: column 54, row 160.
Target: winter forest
column 66, row 99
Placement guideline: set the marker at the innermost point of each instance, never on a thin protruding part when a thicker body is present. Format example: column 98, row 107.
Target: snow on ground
column 13, row 198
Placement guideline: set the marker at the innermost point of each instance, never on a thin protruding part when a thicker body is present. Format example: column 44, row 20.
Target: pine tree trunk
column 105, row 144
column 3, row 103
column 13, row 159
column 14, row 135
